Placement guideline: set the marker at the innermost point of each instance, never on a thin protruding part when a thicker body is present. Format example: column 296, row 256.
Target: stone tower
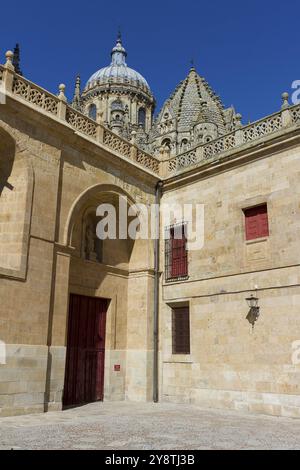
column 192, row 115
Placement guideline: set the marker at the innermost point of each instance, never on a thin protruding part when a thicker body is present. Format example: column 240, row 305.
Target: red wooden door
column 84, row 377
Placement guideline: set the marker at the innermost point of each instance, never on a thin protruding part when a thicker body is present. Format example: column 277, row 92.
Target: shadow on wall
column 16, row 185
column 7, row 154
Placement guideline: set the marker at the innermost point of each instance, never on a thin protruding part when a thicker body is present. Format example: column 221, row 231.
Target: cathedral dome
column 118, row 72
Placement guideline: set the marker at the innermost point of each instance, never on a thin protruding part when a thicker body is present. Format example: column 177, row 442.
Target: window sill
column 256, row 240
column 179, row 358
column 176, row 279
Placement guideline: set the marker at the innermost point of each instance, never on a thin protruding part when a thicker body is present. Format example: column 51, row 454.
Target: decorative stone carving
column 81, row 123
column 295, row 111
column 93, row 246
column 90, row 236
column 35, row 95
column 263, row 127
column 220, row 145
column 116, row 143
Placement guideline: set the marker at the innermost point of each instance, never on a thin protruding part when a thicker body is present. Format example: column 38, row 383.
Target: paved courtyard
column 122, row 426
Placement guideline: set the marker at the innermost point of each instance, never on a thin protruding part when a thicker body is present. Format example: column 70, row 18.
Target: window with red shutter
column 181, row 330
column 256, row 222
column 176, row 252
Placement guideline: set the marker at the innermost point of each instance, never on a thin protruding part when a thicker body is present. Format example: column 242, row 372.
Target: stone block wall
column 23, row 377
column 232, row 365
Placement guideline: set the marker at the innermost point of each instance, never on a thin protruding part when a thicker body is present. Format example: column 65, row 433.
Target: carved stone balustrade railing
column 35, row 95
column 81, row 123
column 21, row 88
column 295, row 113
column 114, row 142
column 17, row 86
column 289, row 116
column 148, row 161
column 263, row 127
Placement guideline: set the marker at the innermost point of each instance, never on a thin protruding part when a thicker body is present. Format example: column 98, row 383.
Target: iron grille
column 181, row 330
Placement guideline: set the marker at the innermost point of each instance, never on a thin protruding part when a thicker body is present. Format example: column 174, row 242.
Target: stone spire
column 76, row 102
column 192, row 114
column 16, row 59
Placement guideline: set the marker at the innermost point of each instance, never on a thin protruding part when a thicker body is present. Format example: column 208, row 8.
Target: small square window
column 181, row 330
column 256, row 222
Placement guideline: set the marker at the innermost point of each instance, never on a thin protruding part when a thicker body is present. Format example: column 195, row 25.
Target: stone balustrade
column 19, row 87
column 81, row 123
column 22, row 88
column 289, row 116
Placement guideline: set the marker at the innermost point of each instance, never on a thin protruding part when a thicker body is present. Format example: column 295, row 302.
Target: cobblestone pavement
column 123, row 425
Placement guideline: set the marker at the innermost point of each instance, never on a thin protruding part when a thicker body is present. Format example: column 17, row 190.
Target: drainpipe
column 156, row 295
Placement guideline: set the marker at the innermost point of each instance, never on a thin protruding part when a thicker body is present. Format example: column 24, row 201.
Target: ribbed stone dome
column 118, row 72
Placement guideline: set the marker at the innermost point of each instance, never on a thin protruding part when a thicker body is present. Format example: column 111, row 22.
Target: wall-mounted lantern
column 253, row 313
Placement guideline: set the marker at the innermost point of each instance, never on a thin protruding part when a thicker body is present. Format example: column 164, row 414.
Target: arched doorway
column 97, row 328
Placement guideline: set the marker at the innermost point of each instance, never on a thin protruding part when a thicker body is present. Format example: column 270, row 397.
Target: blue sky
column 247, row 51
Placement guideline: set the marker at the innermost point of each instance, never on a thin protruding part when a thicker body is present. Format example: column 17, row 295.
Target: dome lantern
column 118, row 53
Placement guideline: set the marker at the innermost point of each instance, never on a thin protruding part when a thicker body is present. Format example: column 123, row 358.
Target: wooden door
column 84, row 377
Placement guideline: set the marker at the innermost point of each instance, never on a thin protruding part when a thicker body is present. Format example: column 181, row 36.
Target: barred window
column 181, row 330
column 176, row 260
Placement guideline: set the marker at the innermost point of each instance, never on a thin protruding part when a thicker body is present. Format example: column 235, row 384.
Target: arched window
column 166, row 143
column 117, row 105
column 93, row 111
column 142, row 117
column 184, row 145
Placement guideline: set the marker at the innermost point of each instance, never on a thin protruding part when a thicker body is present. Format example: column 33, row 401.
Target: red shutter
column 256, row 222
column 178, row 253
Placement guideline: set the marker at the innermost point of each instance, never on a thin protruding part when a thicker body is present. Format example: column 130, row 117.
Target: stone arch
column 117, row 105
column 83, row 198
column 166, row 143
column 123, row 278
column 184, row 144
column 126, row 284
